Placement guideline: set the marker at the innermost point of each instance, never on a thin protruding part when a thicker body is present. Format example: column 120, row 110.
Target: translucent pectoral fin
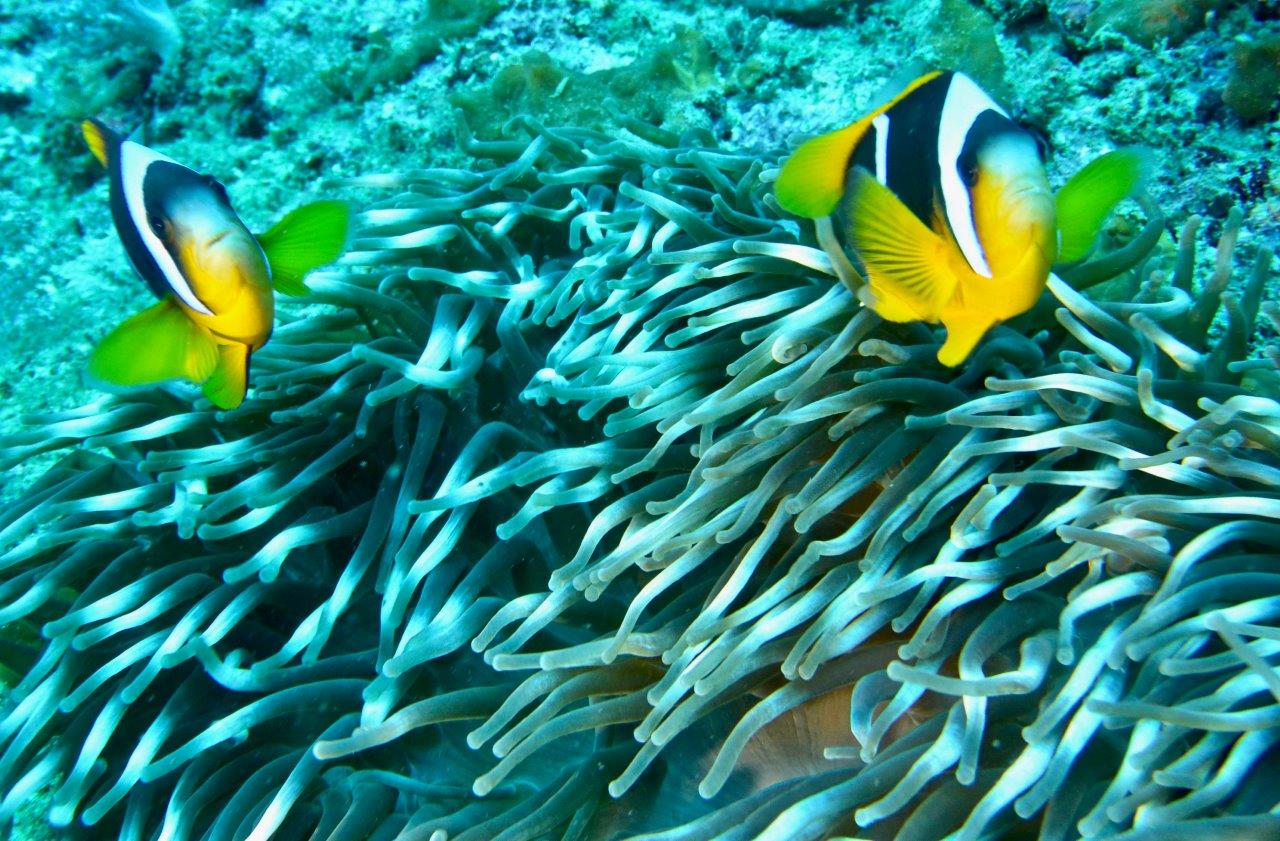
column 1086, row 201
column 159, row 343
column 307, row 238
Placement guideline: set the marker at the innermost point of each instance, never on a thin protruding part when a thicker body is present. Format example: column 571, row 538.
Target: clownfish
column 215, row 280
column 944, row 200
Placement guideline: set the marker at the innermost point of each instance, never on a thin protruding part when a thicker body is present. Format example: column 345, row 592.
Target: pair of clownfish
column 942, row 198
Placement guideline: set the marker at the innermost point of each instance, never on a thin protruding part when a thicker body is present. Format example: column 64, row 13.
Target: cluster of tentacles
column 593, row 504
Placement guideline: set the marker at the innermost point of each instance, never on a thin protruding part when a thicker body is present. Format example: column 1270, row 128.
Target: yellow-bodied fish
column 945, row 201
column 215, row 280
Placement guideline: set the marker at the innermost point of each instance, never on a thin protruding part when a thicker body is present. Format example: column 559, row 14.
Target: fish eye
column 157, row 225
column 969, row 174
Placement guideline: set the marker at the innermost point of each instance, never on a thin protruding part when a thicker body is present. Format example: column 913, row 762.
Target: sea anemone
column 593, row 504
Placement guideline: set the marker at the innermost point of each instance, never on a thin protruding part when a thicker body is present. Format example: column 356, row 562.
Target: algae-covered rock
column 648, row 88
column 1254, row 83
column 1147, row 21
column 963, row 38
column 1015, row 11
column 534, row 85
column 395, row 47
column 808, row 12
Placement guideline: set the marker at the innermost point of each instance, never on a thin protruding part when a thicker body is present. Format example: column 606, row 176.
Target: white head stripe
column 960, row 109
column 134, row 160
column 880, row 123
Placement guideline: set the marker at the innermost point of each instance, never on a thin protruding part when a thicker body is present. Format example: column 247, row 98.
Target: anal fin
column 226, row 387
column 964, row 331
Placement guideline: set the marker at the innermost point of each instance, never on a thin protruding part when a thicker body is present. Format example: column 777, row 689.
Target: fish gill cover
column 595, row 506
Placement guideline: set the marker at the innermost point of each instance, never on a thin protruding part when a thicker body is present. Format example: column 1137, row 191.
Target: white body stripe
column 134, row 160
column 881, row 125
column 960, row 108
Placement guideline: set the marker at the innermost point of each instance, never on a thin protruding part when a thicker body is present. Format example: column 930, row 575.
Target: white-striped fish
column 214, row 278
column 945, row 201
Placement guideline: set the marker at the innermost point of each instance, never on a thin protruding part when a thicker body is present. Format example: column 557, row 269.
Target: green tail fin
column 159, row 343
column 226, row 387
column 1086, row 201
column 305, row 239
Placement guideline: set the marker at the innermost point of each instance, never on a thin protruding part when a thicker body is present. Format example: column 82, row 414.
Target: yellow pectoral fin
column 159, row 343
column 964, row 331
column 97, row 138
column 230, row 380
column 1085, row 202
column 908, row 264
column 307, row 238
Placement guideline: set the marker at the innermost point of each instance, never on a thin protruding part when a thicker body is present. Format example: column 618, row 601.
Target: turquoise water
column 586, row 495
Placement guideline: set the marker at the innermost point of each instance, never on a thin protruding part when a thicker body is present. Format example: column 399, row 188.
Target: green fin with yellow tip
column 159, row 343
column 812, row 179
column 98, row 138
column 906, row 262
column 226, row 387
column 307, row 238
column 1085, row 202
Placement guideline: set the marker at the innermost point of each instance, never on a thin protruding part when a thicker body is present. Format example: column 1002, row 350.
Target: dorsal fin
column 100, row 139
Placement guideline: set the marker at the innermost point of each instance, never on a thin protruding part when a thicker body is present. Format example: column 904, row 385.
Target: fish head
column 220, row 260
column 1013, row 214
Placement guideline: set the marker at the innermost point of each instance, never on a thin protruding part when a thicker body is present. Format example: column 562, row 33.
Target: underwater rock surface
column 583, row 499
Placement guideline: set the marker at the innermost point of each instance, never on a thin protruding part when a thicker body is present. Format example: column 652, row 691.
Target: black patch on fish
column 911, row 154
column 914, row 172
column 134, row 247
column 165, row 181
column 987, row 127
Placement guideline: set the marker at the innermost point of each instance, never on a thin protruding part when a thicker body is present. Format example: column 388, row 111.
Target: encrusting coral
column 595, row 479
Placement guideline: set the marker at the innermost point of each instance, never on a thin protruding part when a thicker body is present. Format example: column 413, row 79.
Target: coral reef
column 1254, row 85
column 394, row 48
column 593, row 488
column 813, row 12
column 258, row 94
column 964, row 38
column 676, row 70
column 151, row 22
column 1147, row 21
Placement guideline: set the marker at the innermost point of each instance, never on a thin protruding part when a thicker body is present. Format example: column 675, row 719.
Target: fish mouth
column 1033, row 189
column 214, row 240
